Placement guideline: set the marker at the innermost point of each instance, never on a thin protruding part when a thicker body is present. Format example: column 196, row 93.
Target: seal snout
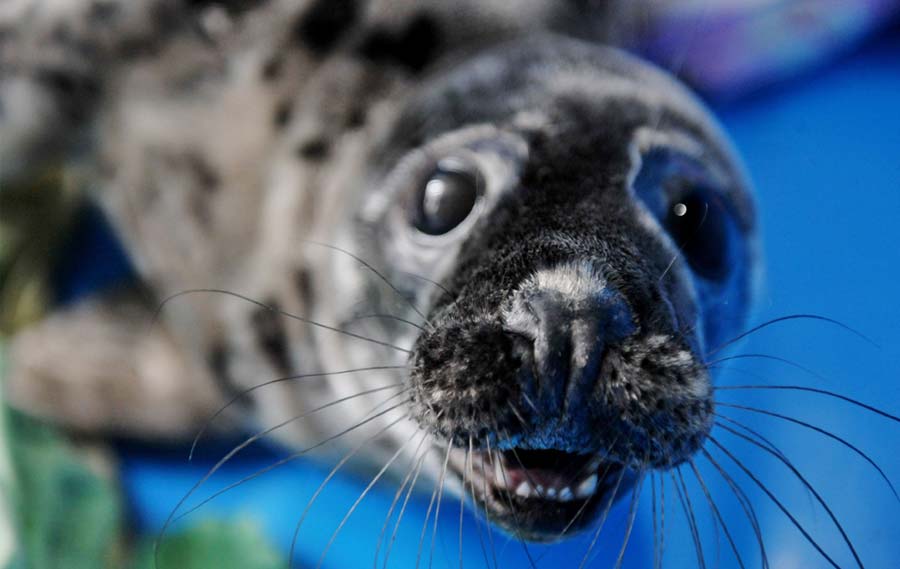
column 571, row 315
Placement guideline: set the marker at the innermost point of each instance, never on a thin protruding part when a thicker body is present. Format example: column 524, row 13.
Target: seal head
column 582, row 236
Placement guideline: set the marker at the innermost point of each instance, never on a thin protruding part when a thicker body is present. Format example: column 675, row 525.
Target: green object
column 219, row 545
column 68, row 517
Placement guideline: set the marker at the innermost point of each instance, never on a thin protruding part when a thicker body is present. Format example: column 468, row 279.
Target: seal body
column 533, row 239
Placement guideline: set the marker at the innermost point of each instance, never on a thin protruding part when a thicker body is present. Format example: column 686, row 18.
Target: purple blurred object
column 729, row 47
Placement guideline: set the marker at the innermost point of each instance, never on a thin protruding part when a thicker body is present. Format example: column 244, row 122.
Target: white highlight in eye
column 434, row 193
column 680, row 209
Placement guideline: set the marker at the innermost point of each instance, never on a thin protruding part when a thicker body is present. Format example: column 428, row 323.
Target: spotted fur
column 266, row 149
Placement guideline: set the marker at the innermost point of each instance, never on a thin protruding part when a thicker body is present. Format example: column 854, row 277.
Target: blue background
column 824, row 152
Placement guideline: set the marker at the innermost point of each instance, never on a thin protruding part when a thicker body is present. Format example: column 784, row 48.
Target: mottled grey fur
column 226, row 145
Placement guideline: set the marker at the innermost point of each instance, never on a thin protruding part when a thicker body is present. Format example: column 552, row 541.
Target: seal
column 575, row 234
column 513, row 253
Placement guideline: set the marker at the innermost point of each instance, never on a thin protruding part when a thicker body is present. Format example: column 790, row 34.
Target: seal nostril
column 572, row 326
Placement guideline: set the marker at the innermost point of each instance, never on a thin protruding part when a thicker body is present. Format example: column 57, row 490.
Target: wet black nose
column 570, row 330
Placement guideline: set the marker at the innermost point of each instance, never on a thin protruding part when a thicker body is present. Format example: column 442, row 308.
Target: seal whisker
column 437, row 511
column 431, row 507
column 462, row 503
column 745, row 503
column 662, row 519
column 821, row 431
column 525, row 471
column 377, row 273
column 632, row 514
column 427, row 280
column 174, row 516
column 207, row 423
column 362, row 495
column 347, row 456
column 294, row 456
column 280, row 313
column 383, row 316
column 469, row 468
column 802, row 479
column 409, row 491
column 581, row 471
column 531, row 404
column 425, row 522
column 414, row 461
column 688, row 510
column 718, row 534
column 606, row 510
column 518, row 414
column 816, row 390
column 260, row 434
column 776, row 501
column 653, row 507
column 487, row 516
column 788, row 318
column 512, row 509
column 778, row 359
column 584, row 505
column 716, row 512
column 682, row 245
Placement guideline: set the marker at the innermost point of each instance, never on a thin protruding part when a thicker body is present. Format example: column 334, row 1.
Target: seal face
column 584, row 237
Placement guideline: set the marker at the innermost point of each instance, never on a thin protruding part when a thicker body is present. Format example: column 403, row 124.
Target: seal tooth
column 524, row 490
column 540, row 490
column 499, row 475
column 551, row 493
column 566, row 494
column 587, row 487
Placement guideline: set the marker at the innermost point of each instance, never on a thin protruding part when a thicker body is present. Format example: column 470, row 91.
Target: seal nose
column 570, row 316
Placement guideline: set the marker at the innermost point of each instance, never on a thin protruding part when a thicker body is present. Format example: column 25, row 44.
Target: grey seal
column 580, row 235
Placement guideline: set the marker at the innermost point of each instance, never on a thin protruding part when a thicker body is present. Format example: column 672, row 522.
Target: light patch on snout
column 577, row 283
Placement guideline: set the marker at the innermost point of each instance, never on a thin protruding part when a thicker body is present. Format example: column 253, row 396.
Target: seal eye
column 697, row 222
column 446, row 198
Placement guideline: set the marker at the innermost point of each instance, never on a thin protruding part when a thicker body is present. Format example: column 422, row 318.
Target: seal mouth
column 540, row 495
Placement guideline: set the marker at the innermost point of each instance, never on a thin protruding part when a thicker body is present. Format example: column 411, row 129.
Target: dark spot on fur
column 323, row 25
column 315, row 149
column 303, row 278
column 282, row 115
column 273, row 68
column 414, row 47
column 165, row 21
column 356, row 118
column 208, row 182
column 136, row 48
column 271, row 337
column 103, row 11
column 61, row 82
column 203, row 173
column 75, row 92
column 217, row 360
